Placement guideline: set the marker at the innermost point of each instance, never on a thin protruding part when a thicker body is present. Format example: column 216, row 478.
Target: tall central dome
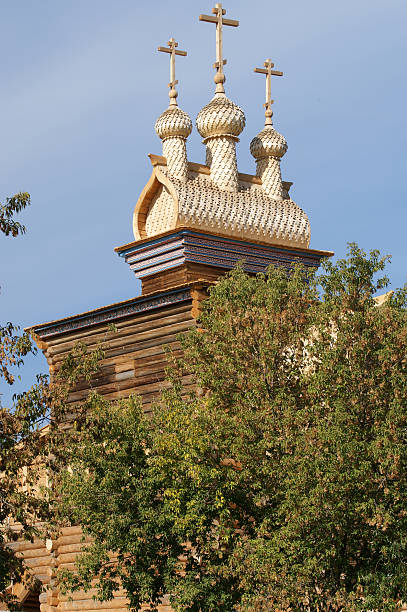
column 221, row 121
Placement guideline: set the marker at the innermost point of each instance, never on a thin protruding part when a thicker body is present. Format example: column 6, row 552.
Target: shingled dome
column 173, row 122
column 221, row 117
column 268, row 143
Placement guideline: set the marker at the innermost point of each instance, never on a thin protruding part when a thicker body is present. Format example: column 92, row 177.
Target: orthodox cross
column 173, row 51
column 220, row 21
column 269, row 73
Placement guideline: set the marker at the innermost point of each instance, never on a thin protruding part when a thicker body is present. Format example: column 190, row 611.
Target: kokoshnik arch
column 191, row 224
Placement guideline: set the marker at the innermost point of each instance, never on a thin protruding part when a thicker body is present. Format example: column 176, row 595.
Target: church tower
column 191, row 224
column 194, row 222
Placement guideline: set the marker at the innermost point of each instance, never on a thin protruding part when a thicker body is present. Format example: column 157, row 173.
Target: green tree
column 14, row 425
column 281, row 483
column 29, row 433
column 13, row 348
column 31, row 440
column 22, row 443
column 13, row 205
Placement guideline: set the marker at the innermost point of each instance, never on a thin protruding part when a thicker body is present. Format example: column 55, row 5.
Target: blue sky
column 82, row 85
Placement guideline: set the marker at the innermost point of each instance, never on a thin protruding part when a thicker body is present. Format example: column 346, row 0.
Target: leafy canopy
column 281, row 483
column 13, row 424
column 13, row 205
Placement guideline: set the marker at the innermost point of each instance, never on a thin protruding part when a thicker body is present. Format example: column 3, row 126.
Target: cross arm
column 210, row 19
column 167, row 50
column 273, row 72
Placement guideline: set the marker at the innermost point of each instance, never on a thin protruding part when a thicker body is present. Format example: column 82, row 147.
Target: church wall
column 36, row 557
column 135, row 355
column 134, row 362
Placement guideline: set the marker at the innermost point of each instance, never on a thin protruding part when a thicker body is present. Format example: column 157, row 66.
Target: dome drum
column 231, row 136
column 220, row 123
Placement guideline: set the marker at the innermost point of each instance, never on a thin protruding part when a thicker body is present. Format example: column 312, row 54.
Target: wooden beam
column 166, row 50
column 230, row 22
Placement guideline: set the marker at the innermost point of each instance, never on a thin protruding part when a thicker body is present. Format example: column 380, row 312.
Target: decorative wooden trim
column 120, row 250
column 156, row 179
column 184, row 248
column 108, row 314
column 141, row 208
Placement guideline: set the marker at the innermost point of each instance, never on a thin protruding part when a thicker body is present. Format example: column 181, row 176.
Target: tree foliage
column 24, row 449
column 21, row 505
column 281, row 483
column 14, row 424
column 31, row 441
column 13, row 205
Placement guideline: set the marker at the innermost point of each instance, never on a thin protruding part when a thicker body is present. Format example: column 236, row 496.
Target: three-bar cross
column 173, row 51
column 220, row 21
column 269, row 73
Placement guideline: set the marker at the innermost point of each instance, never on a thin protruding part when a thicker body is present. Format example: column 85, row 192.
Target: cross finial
column 173, row 51
column 220, row 21
column 269, row 73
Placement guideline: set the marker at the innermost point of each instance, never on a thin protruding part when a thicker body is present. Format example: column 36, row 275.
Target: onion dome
column 173, row 122
column 268, row 143
column 221, row 117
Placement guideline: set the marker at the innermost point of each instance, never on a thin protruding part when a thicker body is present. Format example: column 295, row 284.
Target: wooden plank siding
column 135, row 356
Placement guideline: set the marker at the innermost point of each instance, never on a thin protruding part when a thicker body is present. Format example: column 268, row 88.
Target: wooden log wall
column 135, row 353
column 135, row 360
column 44, row 561
column 36, row 557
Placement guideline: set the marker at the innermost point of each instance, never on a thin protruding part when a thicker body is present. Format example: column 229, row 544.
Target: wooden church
column 191, row 224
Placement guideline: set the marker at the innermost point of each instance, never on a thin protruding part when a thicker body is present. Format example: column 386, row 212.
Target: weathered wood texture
column 32, row 602
column 36, row 557
column 186, row 273
column 45, row 563
column 135, row 353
